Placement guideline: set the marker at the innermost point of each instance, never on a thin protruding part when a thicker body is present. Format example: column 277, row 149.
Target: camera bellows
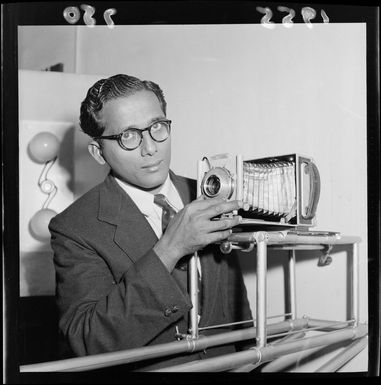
column 269, row 188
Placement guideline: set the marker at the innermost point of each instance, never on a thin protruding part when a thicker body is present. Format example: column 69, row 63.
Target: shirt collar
column 144, row 199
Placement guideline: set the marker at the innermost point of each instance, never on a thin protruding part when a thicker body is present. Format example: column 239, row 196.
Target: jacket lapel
column 133, row 233
column 185, row 188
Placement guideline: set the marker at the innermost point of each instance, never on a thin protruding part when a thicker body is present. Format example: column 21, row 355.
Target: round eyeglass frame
column 118, row 137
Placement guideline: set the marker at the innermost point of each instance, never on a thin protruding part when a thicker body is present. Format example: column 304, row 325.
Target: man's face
column 146, row 166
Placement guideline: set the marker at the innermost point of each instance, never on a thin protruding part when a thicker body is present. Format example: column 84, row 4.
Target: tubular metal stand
column 292, row 329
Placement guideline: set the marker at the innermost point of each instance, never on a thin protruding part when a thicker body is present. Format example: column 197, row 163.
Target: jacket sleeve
column 97, row 314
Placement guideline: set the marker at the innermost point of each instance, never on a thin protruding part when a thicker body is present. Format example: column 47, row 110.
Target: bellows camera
column 279, row 190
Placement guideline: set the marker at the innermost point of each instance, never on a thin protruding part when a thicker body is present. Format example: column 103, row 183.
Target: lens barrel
column 217, row 182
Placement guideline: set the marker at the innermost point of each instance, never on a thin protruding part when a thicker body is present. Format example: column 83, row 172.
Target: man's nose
column 148, row 144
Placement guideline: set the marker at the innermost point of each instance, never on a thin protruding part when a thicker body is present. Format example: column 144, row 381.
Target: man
column 121, row 281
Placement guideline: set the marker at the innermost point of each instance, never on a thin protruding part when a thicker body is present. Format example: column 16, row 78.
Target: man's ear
column 96, row 152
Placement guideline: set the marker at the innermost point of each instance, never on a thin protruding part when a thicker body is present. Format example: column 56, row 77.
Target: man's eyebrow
column 151, row 121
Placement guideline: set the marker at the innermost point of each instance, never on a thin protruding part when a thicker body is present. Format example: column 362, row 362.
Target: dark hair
column 112, row 88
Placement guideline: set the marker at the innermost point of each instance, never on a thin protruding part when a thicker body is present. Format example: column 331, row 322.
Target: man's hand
column 191, row 229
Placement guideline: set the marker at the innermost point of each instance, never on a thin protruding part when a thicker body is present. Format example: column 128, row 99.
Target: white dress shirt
column 144, row 201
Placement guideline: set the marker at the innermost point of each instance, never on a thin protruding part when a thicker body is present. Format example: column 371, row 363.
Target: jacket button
column 167, row 312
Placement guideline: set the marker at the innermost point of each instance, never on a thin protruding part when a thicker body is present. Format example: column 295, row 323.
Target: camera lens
column 213, row 185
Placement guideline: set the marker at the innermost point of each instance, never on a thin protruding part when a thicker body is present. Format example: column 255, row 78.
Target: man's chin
column 152, row 185
column 152, row 188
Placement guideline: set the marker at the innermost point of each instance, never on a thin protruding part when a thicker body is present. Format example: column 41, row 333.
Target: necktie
column 168, row 213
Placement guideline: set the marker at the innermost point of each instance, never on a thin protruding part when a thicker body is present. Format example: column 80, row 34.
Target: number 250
column 72, row 15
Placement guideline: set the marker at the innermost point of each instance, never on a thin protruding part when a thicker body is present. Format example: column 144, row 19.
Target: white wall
column 258, row 92
column 40, row 47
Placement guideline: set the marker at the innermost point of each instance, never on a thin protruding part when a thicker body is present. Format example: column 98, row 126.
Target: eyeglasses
column 131, row 138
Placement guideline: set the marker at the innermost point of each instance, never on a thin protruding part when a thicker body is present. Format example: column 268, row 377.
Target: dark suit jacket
column 114, row 293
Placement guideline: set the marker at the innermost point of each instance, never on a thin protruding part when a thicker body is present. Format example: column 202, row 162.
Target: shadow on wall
column 88, row 173
column 66, row 158
column 37, row 273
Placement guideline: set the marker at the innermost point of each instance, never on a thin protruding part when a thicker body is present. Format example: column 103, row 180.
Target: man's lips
column 152, row 165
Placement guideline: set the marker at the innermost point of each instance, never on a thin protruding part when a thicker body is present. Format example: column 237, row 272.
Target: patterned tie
column 168, row 211
column 167, row 215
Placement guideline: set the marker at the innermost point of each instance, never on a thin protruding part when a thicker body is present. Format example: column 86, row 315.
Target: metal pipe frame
column 292, row 282
column 283, row 362
column 292, row 241
column 193, row 293
column 331, row 326
column 326, row 325
column 343, row 357
column 355, row 303
column 268, row 353
column 338, row 361
column 193, row 275
column 261, row 294
column 295, row 239
column 195, row 342
column 250, row 367
column 184, row 346
column 189, row 345
column 218, row 326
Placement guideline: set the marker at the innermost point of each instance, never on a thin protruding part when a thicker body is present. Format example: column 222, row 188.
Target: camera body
column 276, row 191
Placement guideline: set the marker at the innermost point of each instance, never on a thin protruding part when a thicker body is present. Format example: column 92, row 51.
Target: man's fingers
column 217, row 204
column 218, row 236
column 222, row 207
column 224, row 223
column 202, row 203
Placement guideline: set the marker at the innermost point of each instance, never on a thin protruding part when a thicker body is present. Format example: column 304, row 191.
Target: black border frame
column 170, row 12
